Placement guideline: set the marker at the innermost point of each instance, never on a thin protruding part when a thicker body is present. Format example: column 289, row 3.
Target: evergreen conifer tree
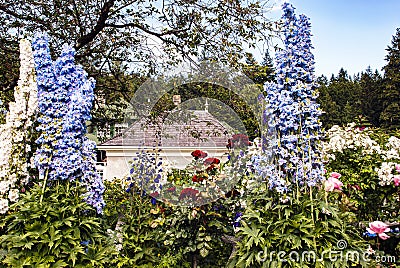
column 390, row 116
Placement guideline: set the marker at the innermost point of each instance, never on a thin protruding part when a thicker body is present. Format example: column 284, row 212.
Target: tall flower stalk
column 292, row 112
column 16, row 134
column 65, row 100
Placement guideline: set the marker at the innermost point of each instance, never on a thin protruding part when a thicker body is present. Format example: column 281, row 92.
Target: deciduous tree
column 118, row 41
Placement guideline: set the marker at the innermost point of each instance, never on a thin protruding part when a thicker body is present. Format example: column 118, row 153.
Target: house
column 177, row 135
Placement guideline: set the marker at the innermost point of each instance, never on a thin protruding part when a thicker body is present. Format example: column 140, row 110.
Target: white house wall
column 118, row 158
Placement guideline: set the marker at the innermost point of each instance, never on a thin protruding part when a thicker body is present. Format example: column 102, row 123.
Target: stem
column 139, row 215
column 312, row 205
column 297, row 191
column 44, row 186
column 312, row 215
column 326, row 197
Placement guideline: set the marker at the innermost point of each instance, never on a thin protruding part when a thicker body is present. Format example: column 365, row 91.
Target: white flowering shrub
column 369, row 162
column 16, row 133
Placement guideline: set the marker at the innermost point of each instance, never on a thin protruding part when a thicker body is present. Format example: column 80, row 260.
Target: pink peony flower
column 396, row 180
column 336, row 175
column 328, row 186
column 337, row 184
column 397, row 168
column 383, row 236
column 379, row 228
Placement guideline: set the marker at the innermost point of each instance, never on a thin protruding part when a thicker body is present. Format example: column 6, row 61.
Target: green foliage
column 114, row 40
column 366, row 161
column 9, row 67
column 197, row 233
column 162, row 235
column 132, row 218
column 304, row 223
column 54, row 228
column 390, row 116
column 340, row 99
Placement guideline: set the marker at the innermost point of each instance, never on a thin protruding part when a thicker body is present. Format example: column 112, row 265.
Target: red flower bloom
column 198, row 178
column 238, row 140
column 188, row 193
column 162, row 210
column 195, row 178
column 211, row 160
column 354, row 186
column 171, row 189
column 199, row 154
column 155, row 194
column 229, row 145
column 211, row 167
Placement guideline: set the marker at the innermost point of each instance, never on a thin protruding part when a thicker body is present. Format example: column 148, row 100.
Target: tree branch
column 101, row 23
column 146, row 30
column 12, row 13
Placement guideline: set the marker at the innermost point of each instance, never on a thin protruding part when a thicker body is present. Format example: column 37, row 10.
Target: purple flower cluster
column 292, row 112
column 237, row 219
column 146, row 172
column 65, row 96
column 90, row 178
column 52, row 108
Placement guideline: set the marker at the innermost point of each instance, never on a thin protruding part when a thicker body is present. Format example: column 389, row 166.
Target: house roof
column 196, row 128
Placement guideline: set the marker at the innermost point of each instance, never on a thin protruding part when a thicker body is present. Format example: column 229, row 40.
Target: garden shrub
column 368, row 160
column 302, row 224
column 129, row 216
column 53, row 227
column 157, row 234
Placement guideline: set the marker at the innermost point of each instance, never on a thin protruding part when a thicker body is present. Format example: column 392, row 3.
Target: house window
column 119, row 128
column 101, row 163
column 101, row 169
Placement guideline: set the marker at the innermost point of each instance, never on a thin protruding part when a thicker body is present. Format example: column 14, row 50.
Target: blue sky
column 352, row 34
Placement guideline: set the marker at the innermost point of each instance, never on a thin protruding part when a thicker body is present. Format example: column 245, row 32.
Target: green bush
column 129, row 217
column 54, row 227
column 367, row 160
column 163, row 235
column 302, row 223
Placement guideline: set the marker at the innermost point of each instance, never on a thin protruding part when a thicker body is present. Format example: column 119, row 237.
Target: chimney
column 176, row 100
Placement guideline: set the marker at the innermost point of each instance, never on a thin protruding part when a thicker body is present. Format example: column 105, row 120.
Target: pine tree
column 371, row 96
column 259, row 73
column 329, row 107
column 346, row 94
column 390, row 116
column 268, row 64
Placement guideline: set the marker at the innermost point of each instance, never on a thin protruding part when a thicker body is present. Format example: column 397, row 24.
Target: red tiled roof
column 200, row 129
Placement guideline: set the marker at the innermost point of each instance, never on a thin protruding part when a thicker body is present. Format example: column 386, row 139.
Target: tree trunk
column 194, row 260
